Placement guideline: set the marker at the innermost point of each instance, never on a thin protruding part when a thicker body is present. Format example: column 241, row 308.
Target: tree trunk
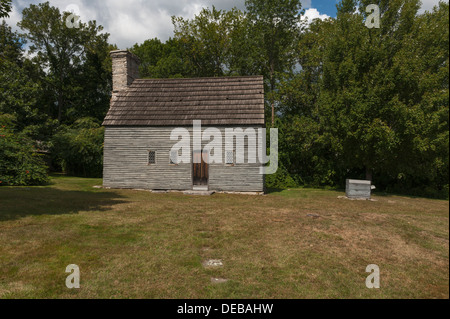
column 272, row 88
column 60, row 102
column 368, row 174
column 273, row 114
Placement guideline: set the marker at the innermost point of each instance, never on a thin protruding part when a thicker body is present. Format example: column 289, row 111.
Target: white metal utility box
column 359, row 189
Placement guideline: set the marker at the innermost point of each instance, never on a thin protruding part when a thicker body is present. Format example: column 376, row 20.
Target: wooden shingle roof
column 177, row 102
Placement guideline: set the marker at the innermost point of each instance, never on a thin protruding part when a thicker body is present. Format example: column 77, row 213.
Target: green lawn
column 135, row 244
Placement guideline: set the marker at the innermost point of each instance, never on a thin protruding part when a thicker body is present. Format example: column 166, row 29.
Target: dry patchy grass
column 134, row 244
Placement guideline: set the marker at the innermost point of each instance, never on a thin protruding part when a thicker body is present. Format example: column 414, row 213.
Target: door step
column 200, row 188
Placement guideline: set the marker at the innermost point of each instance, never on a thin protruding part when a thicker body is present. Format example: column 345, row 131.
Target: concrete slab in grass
column 219, row 280
column 212, row 263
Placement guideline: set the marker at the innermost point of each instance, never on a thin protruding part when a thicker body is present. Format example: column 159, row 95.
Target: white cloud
column 427, row 5
column 306, row 4
column 14, row 16
column 312, row 14
column 131, row 21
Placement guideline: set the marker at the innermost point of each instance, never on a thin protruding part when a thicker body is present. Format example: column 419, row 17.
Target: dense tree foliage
column 79, row 148
column 20, row 162
column 162, row 60
column 5, row 8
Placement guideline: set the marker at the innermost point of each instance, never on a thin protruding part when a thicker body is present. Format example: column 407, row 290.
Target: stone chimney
column 125, row 69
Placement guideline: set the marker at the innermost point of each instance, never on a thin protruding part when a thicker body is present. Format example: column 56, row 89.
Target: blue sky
column 327, row 7
column 134, row 21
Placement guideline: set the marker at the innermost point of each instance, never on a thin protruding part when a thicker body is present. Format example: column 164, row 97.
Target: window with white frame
column 173, row 157
column 229, row 157
column 151, row 157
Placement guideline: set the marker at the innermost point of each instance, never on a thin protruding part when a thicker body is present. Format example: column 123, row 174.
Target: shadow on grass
column 406, row 195
column 274, row 190
column 295, row 190
column 19, row 202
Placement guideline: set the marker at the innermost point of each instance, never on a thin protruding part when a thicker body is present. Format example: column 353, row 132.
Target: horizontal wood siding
column 126, row 163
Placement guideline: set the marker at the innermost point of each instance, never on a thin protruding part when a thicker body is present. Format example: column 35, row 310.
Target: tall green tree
column 150, row 52
column 18, row 95
column 276, row 26
column 369, row 92
column 62, row 51
column 210, row 41
column 163, row 60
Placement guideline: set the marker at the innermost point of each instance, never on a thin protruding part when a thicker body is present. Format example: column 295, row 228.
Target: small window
column 229, row 157
column 151, row 157
column 173, row 157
